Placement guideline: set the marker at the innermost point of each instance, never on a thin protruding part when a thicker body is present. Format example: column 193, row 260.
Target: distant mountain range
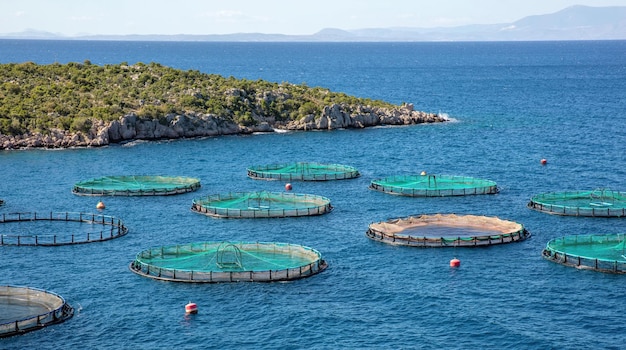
column 572, row 23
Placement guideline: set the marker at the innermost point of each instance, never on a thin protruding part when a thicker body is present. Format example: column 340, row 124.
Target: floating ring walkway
column 213, row 262
column 90, row 228
column 27, row 309
column 433, row 185
column 604, row 253
column 142, row 185
column 261, row 205
column 303, row 171
column 596, row 203
column 447, row 230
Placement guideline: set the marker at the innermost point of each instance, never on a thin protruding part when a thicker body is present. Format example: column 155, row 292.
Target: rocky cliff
column 131, row 127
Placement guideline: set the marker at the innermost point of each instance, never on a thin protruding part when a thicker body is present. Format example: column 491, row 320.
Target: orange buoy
column 288, row 187
column 423, row 173
column 455, row 262
column 100, row 205
column 544, row 161
column 191, row 308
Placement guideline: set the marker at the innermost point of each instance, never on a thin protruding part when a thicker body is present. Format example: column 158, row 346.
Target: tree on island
column 77, row 98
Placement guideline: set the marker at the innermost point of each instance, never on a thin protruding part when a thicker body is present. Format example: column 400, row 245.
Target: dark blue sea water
column 515, row 103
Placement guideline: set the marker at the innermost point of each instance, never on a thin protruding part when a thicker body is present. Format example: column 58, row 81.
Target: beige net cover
column 440, row 230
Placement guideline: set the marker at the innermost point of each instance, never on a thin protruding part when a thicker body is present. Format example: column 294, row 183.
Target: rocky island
column 86, row 105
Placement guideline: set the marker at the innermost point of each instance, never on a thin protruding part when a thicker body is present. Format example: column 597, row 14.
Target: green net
column 599, row 203
column 261, row 205
column 447, row 230
column 136, row 186
column 606, row 253
column 229, row 262
column 25, row 309
column 303, row 171
column 433, row 185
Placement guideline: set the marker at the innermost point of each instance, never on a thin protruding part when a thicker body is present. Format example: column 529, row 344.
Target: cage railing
column 185, row 185
column 189, row 275
column 57, row 315
column 423, row 241
column 577, row 211
column 309, row 205
column 472, row 186
column 600, row 203
column 603, row 265
column 116, row 228
column 332, row 172
column 559, row 255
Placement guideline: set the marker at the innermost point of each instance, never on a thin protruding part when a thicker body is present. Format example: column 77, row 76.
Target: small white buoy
column 100, row 205
column 423, row 173
column 455, row 262
column 191, row 308
column 288, row 187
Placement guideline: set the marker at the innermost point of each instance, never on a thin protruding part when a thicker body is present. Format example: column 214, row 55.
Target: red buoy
column 288, row 187
column 544, row 161
column 191, row 308
column 455, row 262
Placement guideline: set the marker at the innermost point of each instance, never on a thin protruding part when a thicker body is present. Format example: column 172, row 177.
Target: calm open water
column 515, row 103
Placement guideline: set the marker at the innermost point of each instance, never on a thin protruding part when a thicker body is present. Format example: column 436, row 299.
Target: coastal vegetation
column 39, row 98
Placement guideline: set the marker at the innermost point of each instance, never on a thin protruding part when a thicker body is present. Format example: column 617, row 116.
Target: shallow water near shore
column 513, row 105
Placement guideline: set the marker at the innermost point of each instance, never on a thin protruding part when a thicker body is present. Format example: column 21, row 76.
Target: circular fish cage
column 261, row 205
column 27, row 309
column 132, row 185
column 596, row 203
column 447, row 230
column 433, row 185
column 303, row 171
column 214, row 262
column 604, row 253
column 30, row 229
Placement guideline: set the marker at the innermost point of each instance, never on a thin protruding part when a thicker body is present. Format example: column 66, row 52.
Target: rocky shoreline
column 132, row 127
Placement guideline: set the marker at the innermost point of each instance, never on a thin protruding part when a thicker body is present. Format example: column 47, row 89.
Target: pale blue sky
column 77, row 17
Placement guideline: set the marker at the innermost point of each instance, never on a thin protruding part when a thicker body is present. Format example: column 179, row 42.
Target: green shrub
column 81, row 124
column 39, row 97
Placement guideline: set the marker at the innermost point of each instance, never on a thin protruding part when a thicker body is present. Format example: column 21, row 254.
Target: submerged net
column 261, row 205
column 599, row 203
column 303, row 171
column 25, row 309
column 229, row 262
column 447, row 230
column 434, row 185
column 31, row 228
column 136, row 186
column 605, row 253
